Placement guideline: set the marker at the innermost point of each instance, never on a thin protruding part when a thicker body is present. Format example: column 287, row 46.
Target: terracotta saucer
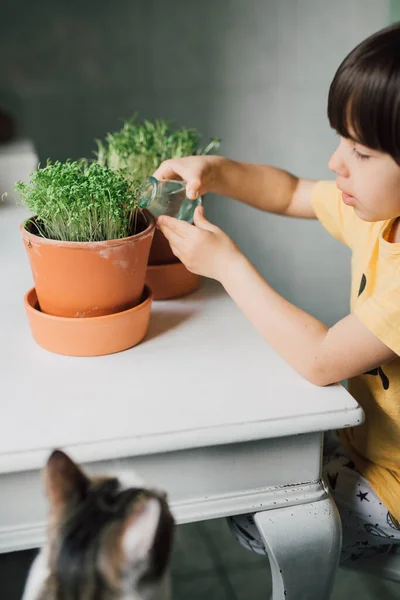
column 171, row 281
column 92, row 336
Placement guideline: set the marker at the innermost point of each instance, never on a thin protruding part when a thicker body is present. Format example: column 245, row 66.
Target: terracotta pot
column 89, row 279
column 94, row 336
column 171, row 281
column 160, row 252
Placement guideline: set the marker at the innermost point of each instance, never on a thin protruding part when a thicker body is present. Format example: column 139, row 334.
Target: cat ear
column 65, row 482
column 139, row 535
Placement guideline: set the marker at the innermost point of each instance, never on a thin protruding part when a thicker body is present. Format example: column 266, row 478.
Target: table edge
column 29, row 460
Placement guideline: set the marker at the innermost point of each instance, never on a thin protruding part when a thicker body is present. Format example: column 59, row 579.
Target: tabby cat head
column 106, row 540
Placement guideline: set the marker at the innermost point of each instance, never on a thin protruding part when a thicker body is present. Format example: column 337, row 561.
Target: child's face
column 369, row 179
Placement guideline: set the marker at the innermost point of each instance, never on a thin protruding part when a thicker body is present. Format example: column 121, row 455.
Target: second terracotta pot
column 89, row 279
column 171, row 281
column 160, row 252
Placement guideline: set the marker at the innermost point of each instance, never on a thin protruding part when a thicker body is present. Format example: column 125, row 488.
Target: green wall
column 394, row 11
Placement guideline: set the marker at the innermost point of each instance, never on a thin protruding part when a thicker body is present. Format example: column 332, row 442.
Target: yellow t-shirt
column 374, row 446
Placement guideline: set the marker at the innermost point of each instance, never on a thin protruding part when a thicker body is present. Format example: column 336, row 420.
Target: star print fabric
column 368, row 527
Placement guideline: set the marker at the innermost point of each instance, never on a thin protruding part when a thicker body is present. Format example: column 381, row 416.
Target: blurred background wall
column 255, row 73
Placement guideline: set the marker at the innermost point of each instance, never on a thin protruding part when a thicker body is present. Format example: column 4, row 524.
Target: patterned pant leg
column 245, row 531
column 368, row 527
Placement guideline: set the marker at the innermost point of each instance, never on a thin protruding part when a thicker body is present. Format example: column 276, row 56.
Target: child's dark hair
column 364, row 97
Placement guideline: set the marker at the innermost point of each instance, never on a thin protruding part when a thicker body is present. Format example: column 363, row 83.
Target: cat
column 106, row 540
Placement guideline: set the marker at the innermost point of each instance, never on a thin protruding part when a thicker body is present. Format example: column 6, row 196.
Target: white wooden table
column 203, row 408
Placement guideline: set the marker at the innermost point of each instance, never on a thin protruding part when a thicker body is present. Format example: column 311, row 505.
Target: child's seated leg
column 246, row 533
column 368, row 527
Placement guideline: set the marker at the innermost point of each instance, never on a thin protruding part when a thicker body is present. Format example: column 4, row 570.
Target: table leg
column 303, row 543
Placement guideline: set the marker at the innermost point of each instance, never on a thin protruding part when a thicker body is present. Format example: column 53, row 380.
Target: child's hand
column 203, row 248
column 199, row 172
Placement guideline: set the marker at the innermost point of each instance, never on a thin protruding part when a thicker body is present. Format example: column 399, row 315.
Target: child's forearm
column 294, row 334
column 264, row 187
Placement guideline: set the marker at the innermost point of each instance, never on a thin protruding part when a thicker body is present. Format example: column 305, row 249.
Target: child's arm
column 319, row 354
column 264, row 187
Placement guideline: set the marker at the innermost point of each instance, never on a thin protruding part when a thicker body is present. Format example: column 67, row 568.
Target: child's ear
column 65, row 482
column 139, row 535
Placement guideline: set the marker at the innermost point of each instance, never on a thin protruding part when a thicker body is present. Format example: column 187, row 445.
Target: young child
column 362, row 210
